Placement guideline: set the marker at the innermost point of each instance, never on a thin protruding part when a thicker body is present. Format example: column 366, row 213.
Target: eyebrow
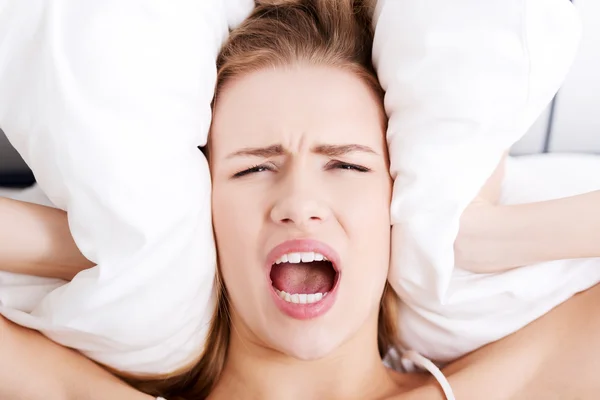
column 262, row 152
column 340, row 150
column 330, row 150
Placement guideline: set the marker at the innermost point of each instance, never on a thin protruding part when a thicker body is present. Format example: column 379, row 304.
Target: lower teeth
column 300, row 298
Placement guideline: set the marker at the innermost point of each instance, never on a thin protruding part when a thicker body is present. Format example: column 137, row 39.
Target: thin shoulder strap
column 425, row 363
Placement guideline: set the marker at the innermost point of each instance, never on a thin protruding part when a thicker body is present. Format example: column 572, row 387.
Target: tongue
column 308, row 278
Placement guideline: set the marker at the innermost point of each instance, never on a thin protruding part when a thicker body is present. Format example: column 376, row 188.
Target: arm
column 497, row 238
column 35, row 240
column 556, row 356
column 33, row 367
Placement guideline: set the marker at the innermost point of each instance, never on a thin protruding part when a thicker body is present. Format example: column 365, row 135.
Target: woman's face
column 301, row 195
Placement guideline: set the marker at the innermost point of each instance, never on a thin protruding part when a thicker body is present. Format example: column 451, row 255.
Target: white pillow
column 107, row 102
column 84, row 87
column 464, row 80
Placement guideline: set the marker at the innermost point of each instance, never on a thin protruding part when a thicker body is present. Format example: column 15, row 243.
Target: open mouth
column 303, row 277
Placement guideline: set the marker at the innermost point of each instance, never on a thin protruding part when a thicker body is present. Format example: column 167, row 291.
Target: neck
column 353, row 371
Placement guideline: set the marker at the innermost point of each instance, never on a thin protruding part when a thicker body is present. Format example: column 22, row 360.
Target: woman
column 301, row 195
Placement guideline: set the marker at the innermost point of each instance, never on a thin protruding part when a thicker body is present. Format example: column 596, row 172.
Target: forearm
column 497, row 238
column 554, row 230
column 35, row 240
column 32, row 367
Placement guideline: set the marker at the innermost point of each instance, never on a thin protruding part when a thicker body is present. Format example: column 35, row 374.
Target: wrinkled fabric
column 107, row 102
column 464, row 80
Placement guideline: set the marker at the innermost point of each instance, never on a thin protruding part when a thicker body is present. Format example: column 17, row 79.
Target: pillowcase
column 107, row 102
column 464, row 80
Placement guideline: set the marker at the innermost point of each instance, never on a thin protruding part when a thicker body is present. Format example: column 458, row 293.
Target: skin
column 553, row 357
column 34, row 368
column 495, row 238
column 556, row 356
column 310, row 187
column 37, row 241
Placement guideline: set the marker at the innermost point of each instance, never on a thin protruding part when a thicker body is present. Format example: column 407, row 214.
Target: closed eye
column 347, row 166
column 255, row 169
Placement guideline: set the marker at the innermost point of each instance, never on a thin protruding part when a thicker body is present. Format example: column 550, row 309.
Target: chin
column 306, row 347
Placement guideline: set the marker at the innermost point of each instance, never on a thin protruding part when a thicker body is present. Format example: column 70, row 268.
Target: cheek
column 366, row 207
column 366, row 221
column 237, row 221
column 234, row 221
column 235, row 215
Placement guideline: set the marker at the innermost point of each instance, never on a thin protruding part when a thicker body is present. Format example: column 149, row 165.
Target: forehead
column 284, row 105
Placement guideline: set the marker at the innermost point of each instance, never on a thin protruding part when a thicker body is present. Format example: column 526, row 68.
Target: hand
column 475, row 249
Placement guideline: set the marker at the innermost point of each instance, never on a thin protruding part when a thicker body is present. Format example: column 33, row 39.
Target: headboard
column 571, row 123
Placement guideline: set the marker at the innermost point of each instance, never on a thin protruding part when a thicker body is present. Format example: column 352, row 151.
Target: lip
column 304, row 311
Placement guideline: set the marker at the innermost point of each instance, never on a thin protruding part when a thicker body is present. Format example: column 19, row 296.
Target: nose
column 299, row 204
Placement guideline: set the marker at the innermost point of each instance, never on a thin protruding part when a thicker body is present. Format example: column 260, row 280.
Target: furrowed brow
column 331, row 150
column 261, row 152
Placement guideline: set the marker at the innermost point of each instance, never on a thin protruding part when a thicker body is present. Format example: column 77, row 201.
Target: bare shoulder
column 415, row 386
column 556, row 356
column 59, row 373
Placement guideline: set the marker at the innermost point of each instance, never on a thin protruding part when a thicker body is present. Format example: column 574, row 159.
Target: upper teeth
column 295, row 258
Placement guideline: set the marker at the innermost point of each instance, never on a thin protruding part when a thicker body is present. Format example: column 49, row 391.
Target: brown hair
column 278, row 33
